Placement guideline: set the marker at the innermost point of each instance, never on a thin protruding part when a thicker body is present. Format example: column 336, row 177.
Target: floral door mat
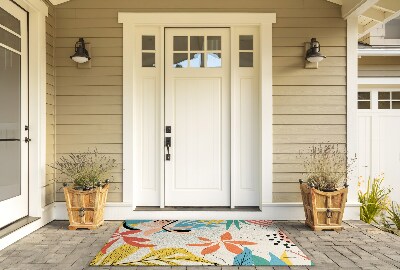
column 199, row 242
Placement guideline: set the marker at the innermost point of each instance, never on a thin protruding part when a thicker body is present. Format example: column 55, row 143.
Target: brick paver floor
column 358, row 246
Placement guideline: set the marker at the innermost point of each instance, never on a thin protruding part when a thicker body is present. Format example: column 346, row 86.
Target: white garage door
column 379, row 136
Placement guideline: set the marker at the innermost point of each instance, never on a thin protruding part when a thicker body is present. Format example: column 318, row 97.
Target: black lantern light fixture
column 81, row 54
column 313, row 54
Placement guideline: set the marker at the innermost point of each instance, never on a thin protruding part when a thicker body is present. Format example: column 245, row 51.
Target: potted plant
column 324, row 191
column 87, row 196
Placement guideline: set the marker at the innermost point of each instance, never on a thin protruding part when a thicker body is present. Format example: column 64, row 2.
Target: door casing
column 135, row 24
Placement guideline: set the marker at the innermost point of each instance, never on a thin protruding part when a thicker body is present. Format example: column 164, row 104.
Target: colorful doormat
column 199, row 242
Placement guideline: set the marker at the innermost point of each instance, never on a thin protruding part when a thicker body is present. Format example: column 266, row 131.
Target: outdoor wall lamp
column 313, row 55
column 81, row 54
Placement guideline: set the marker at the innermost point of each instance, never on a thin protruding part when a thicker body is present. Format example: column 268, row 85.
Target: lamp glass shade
column 313, row 54
column 81, row 54
column 79, row 59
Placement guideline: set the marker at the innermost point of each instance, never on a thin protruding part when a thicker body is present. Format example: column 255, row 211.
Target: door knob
column 27, row 139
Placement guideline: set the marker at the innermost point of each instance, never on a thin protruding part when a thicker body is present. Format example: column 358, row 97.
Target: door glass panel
column 148, row 59
column 180, row 43
column 396, row 95
column 364, row 105
column 396, row 105
column 214, row 43
column 197, row 60
column 384, row 95
column 383, row 105
column 196, row 43
column 180, row 60
column 246, row 42
column 10, row 123
column 364, row 95
column 214, row 60
column 148, row 43
column 10, row 40
column 9, row 21
column 245, row 59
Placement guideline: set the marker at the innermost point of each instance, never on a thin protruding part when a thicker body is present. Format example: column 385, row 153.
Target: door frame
column 37, row 13
column 132, row 117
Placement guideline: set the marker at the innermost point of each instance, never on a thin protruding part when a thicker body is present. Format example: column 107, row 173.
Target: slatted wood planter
column 86, row 208
column 323, row 210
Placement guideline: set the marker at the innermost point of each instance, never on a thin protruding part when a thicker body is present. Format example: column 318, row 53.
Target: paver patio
column 358, row 246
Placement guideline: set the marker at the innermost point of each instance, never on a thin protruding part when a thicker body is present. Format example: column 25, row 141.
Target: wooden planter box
column 323, row 210
column 86, row 208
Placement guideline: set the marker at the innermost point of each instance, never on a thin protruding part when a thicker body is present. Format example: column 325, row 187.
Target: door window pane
column 396, row 95
column 245, row 59
column 214, row 60
column 384, row 95
column 148, row 59
column 396, row 105
column 246, row 42
column 180, row 43
column 148, row 43
column 10, row 123
column 9, row 21
column 180, row 60
column 214, row 43
column 196, row 43
column 364, row 105
column 197, row 60
column 10, row 40
column 384, row 105
column 364, row 95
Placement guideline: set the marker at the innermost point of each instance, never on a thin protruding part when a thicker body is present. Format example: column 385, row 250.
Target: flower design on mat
column 264, row 223
column 225, row 239
column 129, row 238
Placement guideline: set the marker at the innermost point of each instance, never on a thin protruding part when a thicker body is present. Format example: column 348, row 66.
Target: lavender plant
column 85, row 169
column 326, row 167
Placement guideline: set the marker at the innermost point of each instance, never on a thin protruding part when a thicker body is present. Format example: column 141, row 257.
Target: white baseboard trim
column 47, row 216
column 271, row 211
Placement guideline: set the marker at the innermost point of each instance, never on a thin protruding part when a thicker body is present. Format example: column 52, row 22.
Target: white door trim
column 37, row 12
column 131, row 117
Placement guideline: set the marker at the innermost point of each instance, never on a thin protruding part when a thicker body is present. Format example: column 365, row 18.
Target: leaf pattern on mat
column 116, row 256
column 236, row 222
column 226, row 239
column 170, row 256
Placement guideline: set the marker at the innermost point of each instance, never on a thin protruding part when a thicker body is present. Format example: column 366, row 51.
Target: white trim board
column 270, row 211
column 378, row 80
column 132, row 122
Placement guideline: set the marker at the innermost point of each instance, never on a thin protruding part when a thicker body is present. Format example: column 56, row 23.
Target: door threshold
column 9, row 229
column 203, row 208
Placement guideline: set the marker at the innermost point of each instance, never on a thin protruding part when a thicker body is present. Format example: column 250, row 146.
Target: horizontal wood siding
column 309, row 104
column 379, row 66
column 49, row 187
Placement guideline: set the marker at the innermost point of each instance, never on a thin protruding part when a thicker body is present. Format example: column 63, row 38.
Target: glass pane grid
column 364, row 100
column 148, row 51
column 246, row 51
column 197, row 52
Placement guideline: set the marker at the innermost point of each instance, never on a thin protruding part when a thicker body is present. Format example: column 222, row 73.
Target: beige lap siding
column 49, row 186
column 379, row 66
column 309, row 104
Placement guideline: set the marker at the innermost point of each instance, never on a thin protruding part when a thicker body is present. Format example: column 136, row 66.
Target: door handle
column 168, row 145
column 27, row 139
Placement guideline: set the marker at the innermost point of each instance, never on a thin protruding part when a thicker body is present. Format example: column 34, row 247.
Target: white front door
column 13, row 113
column 379, row 137
column 197, row 110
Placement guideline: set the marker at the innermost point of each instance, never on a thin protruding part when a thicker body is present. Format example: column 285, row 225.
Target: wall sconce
column 313, row 55
column 81, row 54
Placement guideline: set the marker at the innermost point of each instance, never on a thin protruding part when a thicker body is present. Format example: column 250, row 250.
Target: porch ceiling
column 371, row 13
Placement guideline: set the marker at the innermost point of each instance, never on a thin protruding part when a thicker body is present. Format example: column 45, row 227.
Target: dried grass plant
column 85, row 169
column 325, row 167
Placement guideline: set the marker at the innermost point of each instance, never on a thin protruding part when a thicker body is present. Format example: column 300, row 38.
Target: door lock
column 27, row 140
column 168, row 145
